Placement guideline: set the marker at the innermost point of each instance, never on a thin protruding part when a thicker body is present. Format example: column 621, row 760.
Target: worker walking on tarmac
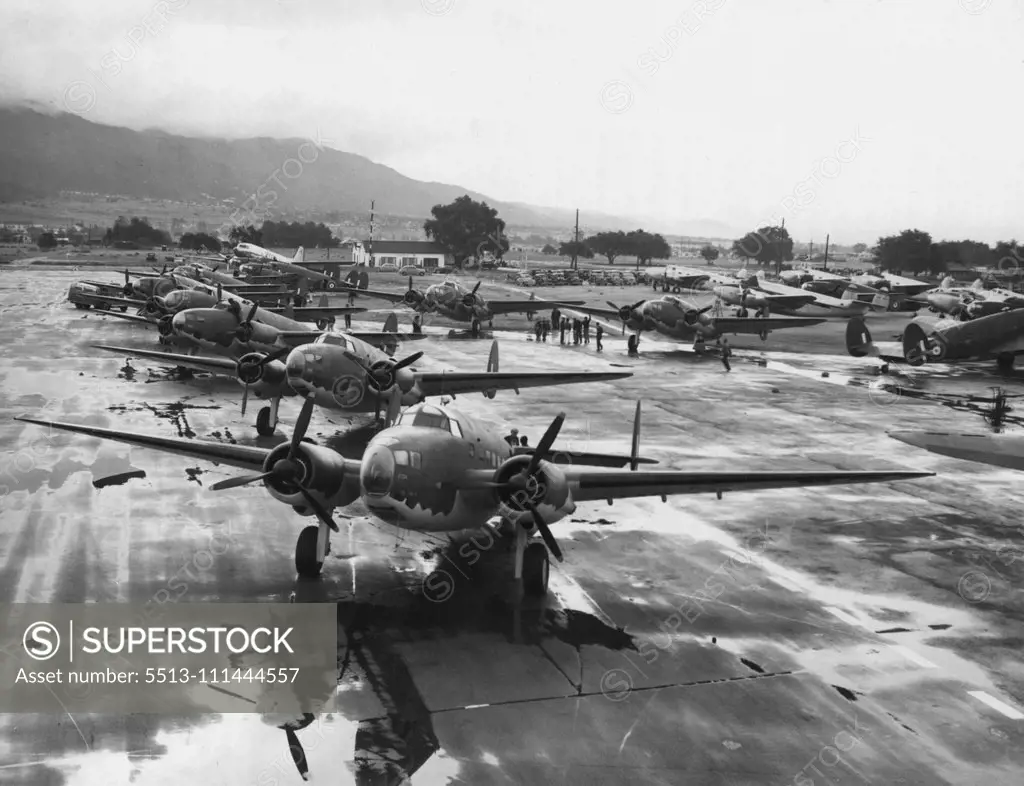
column 536, row 330
column 586, row 329
column 726, row 354
column 348, row 321
column 599, row 334
column 561, row 329
column 545, row 326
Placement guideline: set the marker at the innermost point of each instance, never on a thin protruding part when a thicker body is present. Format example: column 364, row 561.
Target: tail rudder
column 391, row 324
column 492, row 360
column 858, row 339
column 300, row 255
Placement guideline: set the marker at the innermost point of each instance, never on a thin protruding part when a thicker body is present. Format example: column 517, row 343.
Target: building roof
column 406, row 247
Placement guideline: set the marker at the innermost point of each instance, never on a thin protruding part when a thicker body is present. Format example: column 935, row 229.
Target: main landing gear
column 532, row 565
column 266, row 419
column 311, row 549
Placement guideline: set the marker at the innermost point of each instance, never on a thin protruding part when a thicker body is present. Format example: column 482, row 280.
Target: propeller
column 626, row 312
column 249, row 369
column 412, row 297
column 383, row 374
column 469, row 299
column 520, row 482
column 288, row 471
column 244, row 331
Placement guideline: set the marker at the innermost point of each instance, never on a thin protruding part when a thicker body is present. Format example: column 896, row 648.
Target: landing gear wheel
column 764, row 335
column 474, row 327
column 742, row 313
column 1005, row 362
column 305, row 554
column 263, row 427
column 82, row 306
column 123, row 309
column 536, row 569
column 632, row 344
column 322, row 324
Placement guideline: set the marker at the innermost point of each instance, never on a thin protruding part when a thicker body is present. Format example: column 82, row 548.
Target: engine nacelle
column 321, row 471
column 258, row 332
column 547, row 489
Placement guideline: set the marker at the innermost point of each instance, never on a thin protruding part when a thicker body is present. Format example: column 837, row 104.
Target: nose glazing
column 378, row 471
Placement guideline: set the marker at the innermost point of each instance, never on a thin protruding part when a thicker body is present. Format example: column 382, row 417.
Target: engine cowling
column 258, row 332
column 691, row 316
column 321, row 470
column 412, row 297
column 547, row 489
column 251, row 370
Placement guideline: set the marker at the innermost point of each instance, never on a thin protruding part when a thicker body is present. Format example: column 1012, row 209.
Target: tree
column 859, row 248
column 769, row 244
column 1009, row 257
column 549, row 249
column 466, row 228
column 135, row 233
column 245, row 234
column 710, row 254
column 197, row 241
column 609, row 245
column 46, row 241
column 645, row 246
column 573, row 248
column 912, row 250
column 964, row 253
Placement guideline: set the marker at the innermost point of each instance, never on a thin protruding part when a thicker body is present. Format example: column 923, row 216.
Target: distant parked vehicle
column 444, row 270
column 83, row 295
column 388, row 267
column 151, row 257
column 412, row 270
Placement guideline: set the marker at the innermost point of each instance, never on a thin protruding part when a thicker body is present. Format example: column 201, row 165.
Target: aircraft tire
column 82, row 306
column 306, row 564
column 1004, row 362
column 536, row 568
column 322, row 324
column 263, row 427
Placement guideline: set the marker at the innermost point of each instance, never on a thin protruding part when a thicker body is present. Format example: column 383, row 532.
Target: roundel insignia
column 348, row 391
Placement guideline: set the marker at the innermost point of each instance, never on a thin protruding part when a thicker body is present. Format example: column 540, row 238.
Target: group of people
column 578, row 328
column 514, row 439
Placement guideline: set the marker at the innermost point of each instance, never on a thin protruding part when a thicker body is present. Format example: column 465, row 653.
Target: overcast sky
column 855, row 117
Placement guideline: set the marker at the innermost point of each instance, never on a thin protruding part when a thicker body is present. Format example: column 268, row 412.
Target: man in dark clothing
column 544, row 327
column 600, row 333
column 537, row 329
column 586, row 329
column 575, row 331
column 561, row 329
column 726, row 354
column 348, row 321
column 556, row 317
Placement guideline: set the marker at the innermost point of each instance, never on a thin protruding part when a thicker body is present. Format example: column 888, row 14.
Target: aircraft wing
column 588, row 484
column 313, row 313
column 129, row 317
column 757, row 325
column 215, row 365
column 517, row 306
column 999, row 451
column 597, row 311
column 586, row 459
column 394, row 297
column 385, row 339
column 251, row 458
column 440, row 383
column 119, row 301
column 788, row 301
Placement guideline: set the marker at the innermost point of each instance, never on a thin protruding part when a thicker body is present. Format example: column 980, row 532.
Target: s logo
column 41, row 640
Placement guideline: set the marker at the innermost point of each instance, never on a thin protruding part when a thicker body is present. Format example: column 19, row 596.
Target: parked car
column 151, row 257
column 412, row 270
column 82, row 294
column 388, row 267
column 443, row 270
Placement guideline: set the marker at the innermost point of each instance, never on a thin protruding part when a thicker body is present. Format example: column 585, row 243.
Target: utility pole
column 576, row 242
column 825, row 265
column 369, row 243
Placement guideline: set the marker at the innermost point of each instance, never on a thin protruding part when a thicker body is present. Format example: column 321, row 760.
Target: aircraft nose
column 378, row 471
column 295, row 368
column 181, row 323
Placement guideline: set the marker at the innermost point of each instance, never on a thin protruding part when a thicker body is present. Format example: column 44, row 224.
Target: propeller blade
column 410, row 284
column 637, row 305
column 321, row 514
column 300, row 427
column 478, row 283
column 612, row 305
column 245, row 397
column 706, row 309
column 407, row 361
column 634, row 453
column 545, row 532
column 242, row 480
column 252, row 312
column 394, row 408
column 298, row 753
column 358, row 361
column 220, row 292
column 277, row 354
column 545, row 443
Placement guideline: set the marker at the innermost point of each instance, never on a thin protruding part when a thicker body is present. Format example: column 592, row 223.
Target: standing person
column 348, row 321
column 537, row 328
column 726, row 354
column 600, row 333
column 545, row 326
column 556, row 316
column 575, row 331
column 586, row 329
column 561, row 330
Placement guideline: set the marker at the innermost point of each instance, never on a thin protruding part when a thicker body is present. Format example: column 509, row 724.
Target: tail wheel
column 536, row 569
column 306, row 564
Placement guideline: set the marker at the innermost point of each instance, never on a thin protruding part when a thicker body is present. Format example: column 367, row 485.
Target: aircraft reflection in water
column 452, row 300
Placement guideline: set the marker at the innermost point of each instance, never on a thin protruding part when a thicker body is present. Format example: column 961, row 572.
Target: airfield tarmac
column 861, row 634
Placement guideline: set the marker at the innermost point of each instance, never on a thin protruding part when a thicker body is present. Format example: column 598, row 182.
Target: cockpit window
column 334, row 339
column 456, row 430
column 426, row 417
